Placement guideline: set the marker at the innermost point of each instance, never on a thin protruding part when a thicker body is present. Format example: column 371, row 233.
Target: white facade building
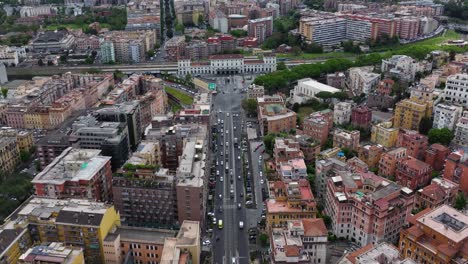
column 456, row 89
column 33, row 11
column 363, row 80
column 342, row 113
column 446, row 116
column 401, row 66
column 3, row 74
column 461, row 131
column 307, row 89
column 228, row 64
column 219, row 21
column 8, row 56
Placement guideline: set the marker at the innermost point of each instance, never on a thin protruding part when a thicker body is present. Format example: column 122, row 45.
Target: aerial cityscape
column 233, row 132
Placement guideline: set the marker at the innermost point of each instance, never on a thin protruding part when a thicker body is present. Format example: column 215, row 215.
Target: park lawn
column 70, row 26
column 182, row 97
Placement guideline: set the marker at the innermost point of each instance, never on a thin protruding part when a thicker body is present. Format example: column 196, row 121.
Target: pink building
column 439, row 192
column 260, row 28
column 415, row 143
column 389, row 160
column 407, row 27
column 346, row 139
column 317, row 126
column 361, row 116
column 436, row 155
column 367, row 208
column 385, row 87
column 286, row 149
column 413, row 173
column 294, row 169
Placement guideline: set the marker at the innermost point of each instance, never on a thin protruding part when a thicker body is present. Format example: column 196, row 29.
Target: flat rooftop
column 318, row 85
column 72, row 165
column 447, row 221
column 144, row 235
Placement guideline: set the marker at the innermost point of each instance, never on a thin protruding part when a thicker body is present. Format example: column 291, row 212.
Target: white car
column 241, row 225
column 238, row 157
column 221, row 179
column 262, row 181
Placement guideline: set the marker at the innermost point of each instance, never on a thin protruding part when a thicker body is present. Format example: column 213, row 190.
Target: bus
column 220, row 224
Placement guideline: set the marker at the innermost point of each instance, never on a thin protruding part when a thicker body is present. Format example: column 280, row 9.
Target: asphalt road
column 230, row 243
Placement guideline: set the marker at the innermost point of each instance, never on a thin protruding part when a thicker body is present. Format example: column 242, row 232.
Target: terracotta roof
column 412, row 219
column 415, row 231
column 291, row 251
column 352, row 256
column 439, row 147
column 314, row 227
column 435, row 191
column 447, row 250
column 279, row 185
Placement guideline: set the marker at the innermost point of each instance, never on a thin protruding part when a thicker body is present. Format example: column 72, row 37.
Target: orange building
column 439, row 236
column 456, row 170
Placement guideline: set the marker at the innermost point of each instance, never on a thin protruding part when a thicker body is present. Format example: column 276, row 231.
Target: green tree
column 89, row 60
column 281, row 66
column 4, row 92
column 269, row 141
column 150, row 53
column 179, row 28
column 200, row 19
column 238, row 33
column 118, row 75
column 25, row 155
column 443, row 136
column 188, row 78
column 250, row 105
column 263, row 239
column 63, row 58
column 40, row 62
column 460, row 201
column 425, row 125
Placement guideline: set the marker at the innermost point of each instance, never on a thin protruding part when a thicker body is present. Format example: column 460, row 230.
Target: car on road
column 217, row 172
column 241, row 225
column 214, row 221
column 220, row 224
column 238, row 157
column 262, row 181
column 220, row 196
column 206, row 242
column 239, row 206
column 239, row 177
column 248, row 203
column 221, row 179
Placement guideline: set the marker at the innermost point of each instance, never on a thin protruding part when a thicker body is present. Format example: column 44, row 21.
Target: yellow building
column 384, row 134
column 74, row 222
column 9, row 154
column 24, row 138
column 56, row 253
column 185, row 247
column 289, row 201
column 13, row 242
column 409, row 113
column 32, row 120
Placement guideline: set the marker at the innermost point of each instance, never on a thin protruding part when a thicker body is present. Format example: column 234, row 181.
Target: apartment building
column 361, row 116
column 346, row 139
column 292, row 170
column 438, row 236
column 9, row 154
column 371, row 154
column 309, row 146
column 192, row 187
column 456, row 169
column 388, row 162
column 385, row 86
column 446, row 116
column 436, row 155
column 367, row 208
column 175, row 47
column 77, row 223
column 24, row 138
column 337, row 80
column 185, row 247
column 362, row 80
column 260, row 28
column 255, row 91
column 375, row 253
column 327, row 31
column 142, row 244
column 324, row 169
column 461, row 130
column 413, row 173
column 8, row 56
column 384, row 134
column 456, row 90
column 416, row 144
column 286, row 149
column 57, row 252
column 342, row 113
column 128, row 113
column 110, row 137
column 129, row 46
column 76, row 173
column 289, row 201
column 409, row 113
column 402, row 67
column 146, row 199
column 274, row 118
column 218, row 20
column 317, row 125
column 407, row 27
column 50, row 147
column 439, row 192
column 301, row 241
column 107, row 51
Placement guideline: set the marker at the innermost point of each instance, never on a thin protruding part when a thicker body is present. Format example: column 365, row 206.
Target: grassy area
column 69, row 26
column 311, row 56
column 175, row 107
column 182, row 97
column 434, row 43
column 304, row 111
